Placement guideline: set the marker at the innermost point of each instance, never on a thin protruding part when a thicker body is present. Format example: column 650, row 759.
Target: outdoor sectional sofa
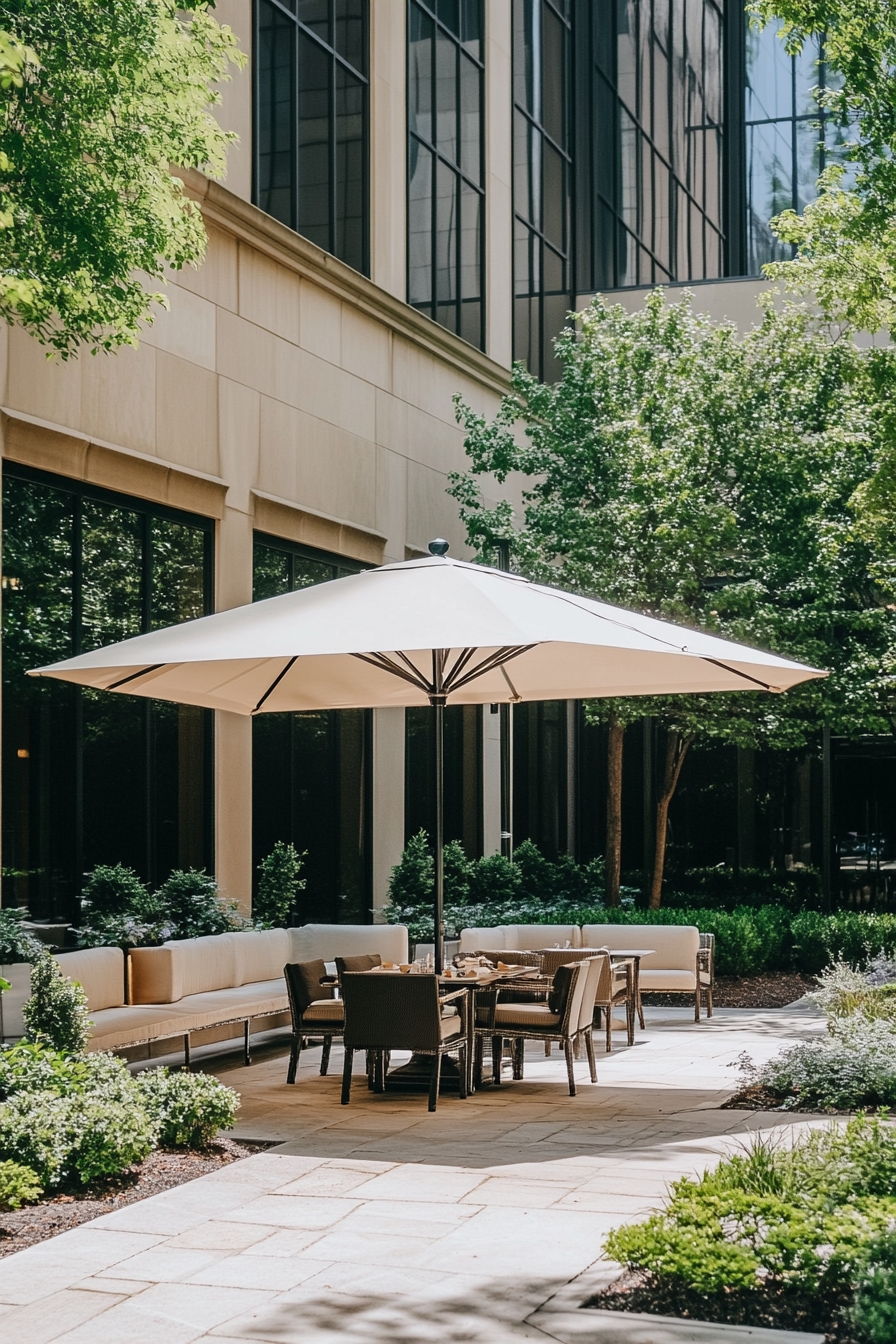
column 189, row 985
column 680, row 962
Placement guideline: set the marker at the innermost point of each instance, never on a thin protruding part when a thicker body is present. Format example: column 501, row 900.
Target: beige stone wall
column 722, row 300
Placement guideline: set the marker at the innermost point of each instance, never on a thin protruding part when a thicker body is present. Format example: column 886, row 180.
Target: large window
column 541, row 180
column 463, row 775
column 311, row 772
column 788, row 138
column 311, row 117
column 446, row 200
column 649, row 145
column 90, row 777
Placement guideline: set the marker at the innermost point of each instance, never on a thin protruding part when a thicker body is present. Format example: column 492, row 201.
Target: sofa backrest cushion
column 485, row 940
column 675, row 946
column 184, row 966
column 530, row 936
column 329, row 941
column 260, row 955
column 100, row 973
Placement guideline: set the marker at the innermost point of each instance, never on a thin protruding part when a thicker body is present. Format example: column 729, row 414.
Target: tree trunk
column 676, row 749
column 614, row 811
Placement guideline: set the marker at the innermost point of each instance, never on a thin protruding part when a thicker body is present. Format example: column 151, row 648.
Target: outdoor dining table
column 416, row 1072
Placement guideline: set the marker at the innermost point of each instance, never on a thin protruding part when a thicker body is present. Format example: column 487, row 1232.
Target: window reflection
column 89, row 777
column 445, row 195
column 542, row 180
column 311, row 121
column 311, row 771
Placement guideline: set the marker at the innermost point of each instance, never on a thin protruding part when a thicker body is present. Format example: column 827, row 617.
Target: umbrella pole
column 438, row 705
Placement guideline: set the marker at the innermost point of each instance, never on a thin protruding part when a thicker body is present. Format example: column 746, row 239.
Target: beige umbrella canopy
column 429, row 631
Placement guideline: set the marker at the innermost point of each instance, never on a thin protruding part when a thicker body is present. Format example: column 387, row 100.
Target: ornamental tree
column 702, row 477
column 98, row 99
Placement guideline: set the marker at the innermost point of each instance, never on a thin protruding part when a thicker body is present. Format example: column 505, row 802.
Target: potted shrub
column 18, row 951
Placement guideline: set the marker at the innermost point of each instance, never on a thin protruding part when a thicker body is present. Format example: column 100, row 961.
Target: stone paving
column 380, row 1222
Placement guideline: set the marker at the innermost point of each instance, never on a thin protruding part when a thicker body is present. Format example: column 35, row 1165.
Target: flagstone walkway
column 379, row 1222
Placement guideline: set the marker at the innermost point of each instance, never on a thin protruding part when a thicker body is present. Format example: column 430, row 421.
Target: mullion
column 309, row 33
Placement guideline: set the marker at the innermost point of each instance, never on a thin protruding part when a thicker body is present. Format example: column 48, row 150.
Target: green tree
column 98, row 98
column 705, row 478
column 279, row 884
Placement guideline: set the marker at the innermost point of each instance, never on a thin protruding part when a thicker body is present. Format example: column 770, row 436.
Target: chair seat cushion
column 536, row 1015
column 652, row 981
column 449, row 1010
column 325, row 1010
column 450, row 1027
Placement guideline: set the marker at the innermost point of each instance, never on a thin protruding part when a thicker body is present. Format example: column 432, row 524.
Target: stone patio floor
column 380, row 1222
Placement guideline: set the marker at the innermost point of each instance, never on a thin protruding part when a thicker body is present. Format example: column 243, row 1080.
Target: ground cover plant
column 782, row 1233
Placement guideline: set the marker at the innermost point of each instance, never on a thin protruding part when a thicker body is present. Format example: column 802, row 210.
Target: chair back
column 604, row 987
column 554, row 957
column 513, row 957
column 303, row 985
column 365, row 962
column 391, row 1012
column 597, row 967
column 569, row 1023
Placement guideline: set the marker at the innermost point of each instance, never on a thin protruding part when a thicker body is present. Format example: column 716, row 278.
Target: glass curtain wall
column 90, row 777
column 789, row 139
column 649, row 142
column 463, row 775
column 311, row 121
column 311, row 772
column 541, row 181
column 446, row 197
column 540, row 748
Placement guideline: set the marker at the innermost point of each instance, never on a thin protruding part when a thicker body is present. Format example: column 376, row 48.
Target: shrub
column 29, row 1067
column 16, row 944
column 18, row 1186
column 803, row 1215
column 852, row 1067
column 188, row 1108
column 189, row 902
column 116, row 890
column 874, row 1313
column 73, row 1139
column 278, row 885
column 56, row 1013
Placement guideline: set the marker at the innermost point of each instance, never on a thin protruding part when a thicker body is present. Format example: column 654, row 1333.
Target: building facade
column 422, row 190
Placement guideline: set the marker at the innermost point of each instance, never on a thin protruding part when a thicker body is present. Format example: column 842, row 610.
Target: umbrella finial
column 438, row 547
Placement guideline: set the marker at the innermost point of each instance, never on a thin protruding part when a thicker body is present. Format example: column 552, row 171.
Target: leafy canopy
column 98, row 98
column 707, row 478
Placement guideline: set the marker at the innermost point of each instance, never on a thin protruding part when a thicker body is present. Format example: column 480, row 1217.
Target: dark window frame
column 336, row 60
column 536, row 234
column 148, row 511
column 430, row 309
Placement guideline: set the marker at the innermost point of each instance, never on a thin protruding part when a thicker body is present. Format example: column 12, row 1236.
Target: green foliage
column 18, row 1185
column 190, row 905
column 16, row 944
column 117, row 910
column 114, row 890
column 188, row 1109
column 56, row 1014
column 71, row 1119
column 852, row 1068
column 99, row 101
column 803, row 1215
column 874, row 1312
column 278, row 885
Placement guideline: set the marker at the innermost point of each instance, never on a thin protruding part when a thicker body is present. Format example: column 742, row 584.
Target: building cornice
column 253, row 227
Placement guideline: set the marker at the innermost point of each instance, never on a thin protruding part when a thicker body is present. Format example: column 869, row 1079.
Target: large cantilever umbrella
column 429, row 631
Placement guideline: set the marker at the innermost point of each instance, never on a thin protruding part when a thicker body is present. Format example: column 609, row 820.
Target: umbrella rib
column 385, row 665
column 494, row 660
column 144, row 672
column 763, row 685
column 275, row 683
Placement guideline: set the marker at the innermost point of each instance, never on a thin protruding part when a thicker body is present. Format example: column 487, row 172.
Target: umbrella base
column 416, row 1074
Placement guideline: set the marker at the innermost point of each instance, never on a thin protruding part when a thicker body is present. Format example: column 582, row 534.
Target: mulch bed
column 775, row 1307
column 162, row 1170
column 775, row 990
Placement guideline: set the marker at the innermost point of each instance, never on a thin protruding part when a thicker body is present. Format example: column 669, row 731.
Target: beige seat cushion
column 674, row 946
column 450, row 1027
column 114, row 1028
column 325, row 1010
column 259, row 955
column 656, row 981
column 329, row 941
column 100, row 973
column 536, row 1015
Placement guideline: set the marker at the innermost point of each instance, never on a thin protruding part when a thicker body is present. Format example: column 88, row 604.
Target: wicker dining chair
column 566, row 1017
column 314, row 1008
column 365, row 962
column 614, row 987
column 402, row 1012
